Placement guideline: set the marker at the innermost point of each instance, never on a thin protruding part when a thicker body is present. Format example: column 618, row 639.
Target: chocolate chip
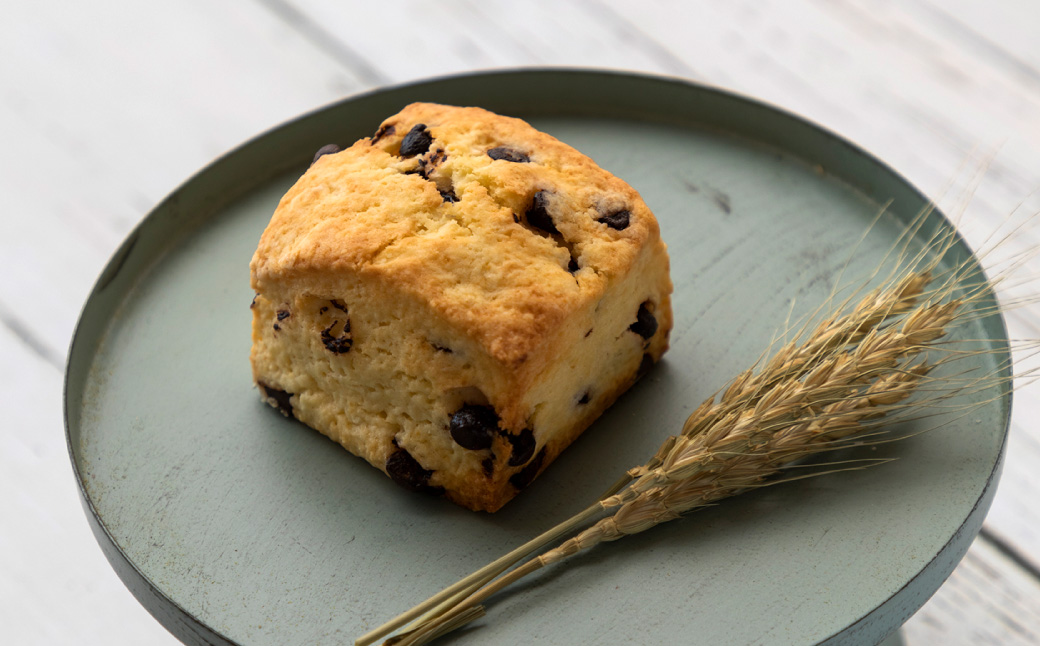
column 584, row 399
column 429, row 163
column 407, row 472
column 327, row 149
column 587, row 334
column 337, row 344
column 523, row 447
column 449, row 195
column 524, row 477
column 282, row 315
column 538, row 213
column 508, row 154
column 323, row 310
column 340, row 306
column 644, row 366
column 417, row 141
column 385, row 130
column 616, row 220
column 645, row 325
column 282, row 399
column 488, row 464
column 472, row 427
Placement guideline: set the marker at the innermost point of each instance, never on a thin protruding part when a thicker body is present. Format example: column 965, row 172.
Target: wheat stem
column 472, row 582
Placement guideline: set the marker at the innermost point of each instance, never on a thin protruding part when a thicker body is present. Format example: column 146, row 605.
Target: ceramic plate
column 234, row 525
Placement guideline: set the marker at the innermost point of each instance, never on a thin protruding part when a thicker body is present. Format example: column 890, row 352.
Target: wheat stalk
column 851, row 372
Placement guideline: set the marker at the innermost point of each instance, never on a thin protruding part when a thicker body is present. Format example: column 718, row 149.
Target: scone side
column 378, row 398
column 610, row 354
column 554, row 419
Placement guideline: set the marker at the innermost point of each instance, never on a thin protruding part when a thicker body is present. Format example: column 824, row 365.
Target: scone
column 456, row 299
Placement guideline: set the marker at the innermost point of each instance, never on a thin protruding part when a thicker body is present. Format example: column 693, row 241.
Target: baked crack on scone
column 456, row 298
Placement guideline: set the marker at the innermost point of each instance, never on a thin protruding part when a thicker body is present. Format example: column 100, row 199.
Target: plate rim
column 190, row 629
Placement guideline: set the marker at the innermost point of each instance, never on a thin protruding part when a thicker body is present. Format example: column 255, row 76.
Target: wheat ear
column 810, row 396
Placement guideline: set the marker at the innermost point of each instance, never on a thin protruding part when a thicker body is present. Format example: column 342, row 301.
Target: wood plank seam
column 657, row 51
column 37, row 346
column 980, row 43
column 326, row 41
column 1010, row 552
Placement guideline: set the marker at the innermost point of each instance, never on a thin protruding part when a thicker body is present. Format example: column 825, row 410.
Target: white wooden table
column 107, row 106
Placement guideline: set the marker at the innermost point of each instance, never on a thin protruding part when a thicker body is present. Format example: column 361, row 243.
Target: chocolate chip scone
column 456, row 299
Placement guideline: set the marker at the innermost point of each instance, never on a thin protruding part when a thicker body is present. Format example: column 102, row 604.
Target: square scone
column 456, row 299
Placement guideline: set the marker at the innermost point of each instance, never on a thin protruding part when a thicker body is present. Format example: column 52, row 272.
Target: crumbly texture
column 456, row 299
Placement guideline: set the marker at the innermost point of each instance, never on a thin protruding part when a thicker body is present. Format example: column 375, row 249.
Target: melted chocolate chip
column 587, row 334
column 417, row 141
column 337, row 344
column 523, row 447
column 538, row 213
column 644, row 366
column 429, row 163
column 584, row 399
column 340, row 306
column 384, row 131
column 407, row 472
column 277, row 328
column 472, row 427
column 488, row 464
column 617, row 220
column 323, row 310
column 449, row 195
column 281, row 398
column 441, row 348
column 524, row 477
column 327, row 149
column 645, row 325
column 508, row 154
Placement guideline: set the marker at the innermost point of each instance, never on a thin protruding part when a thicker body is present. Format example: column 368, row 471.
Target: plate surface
column 233, row 525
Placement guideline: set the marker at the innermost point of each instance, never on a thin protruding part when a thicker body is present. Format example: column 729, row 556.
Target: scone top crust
column 502, row 229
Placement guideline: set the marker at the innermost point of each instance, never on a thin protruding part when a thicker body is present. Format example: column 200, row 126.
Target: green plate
column 233, row 525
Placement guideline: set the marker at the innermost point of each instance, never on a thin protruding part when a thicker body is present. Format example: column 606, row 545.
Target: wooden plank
column 1003, row 31
column 431, row 39
column 868, row 70
column 106, row 108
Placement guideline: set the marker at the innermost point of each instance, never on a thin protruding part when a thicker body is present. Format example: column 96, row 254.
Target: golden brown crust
column 361, row 211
